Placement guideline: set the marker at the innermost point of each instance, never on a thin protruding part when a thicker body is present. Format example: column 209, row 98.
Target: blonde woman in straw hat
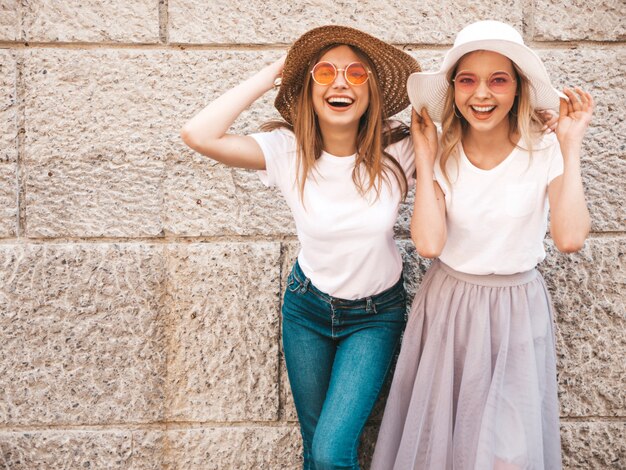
column 343, row 169
column 475, row 384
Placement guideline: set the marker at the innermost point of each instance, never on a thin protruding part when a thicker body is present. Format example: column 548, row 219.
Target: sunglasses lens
column 324, row 73
column 466, row 82
column 500, row 82
column 356, row 74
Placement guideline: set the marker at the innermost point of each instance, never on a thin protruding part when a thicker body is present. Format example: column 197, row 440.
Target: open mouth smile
column 482, row 112
column 339, row 103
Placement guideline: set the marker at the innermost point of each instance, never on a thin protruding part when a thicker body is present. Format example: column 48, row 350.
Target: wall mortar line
column 159, row 426
column 20, row 140
column 181, row 240
column 163, row 21
column 409, row 47
column 166, row 426
column 20, row 21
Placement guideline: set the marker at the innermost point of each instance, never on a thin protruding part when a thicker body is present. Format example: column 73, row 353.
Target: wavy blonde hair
column 523, row 119
column 373, row 137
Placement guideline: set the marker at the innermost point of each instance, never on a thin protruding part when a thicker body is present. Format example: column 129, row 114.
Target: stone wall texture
column 140, row 283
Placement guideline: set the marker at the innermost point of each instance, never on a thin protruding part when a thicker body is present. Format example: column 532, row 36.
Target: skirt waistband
column 490, row 280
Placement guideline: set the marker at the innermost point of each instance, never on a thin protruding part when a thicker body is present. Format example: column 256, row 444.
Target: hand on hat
column 574, row 118
column 275, row 69
column 424, row 134
column 550, row 120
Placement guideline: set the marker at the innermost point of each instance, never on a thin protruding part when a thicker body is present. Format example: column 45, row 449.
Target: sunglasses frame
column 479, row 80
column 344, row 70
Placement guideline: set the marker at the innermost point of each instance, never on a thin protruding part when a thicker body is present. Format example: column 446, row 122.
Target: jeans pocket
column 293, row 285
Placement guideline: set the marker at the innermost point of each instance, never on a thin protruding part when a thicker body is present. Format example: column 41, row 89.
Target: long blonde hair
column 523, row 119
column 374, row 135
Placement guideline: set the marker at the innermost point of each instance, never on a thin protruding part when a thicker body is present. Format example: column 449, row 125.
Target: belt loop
column 370, row 305
column 305, row 286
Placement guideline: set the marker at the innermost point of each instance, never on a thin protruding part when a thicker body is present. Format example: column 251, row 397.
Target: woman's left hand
column 424, row 134
column 574, row 118
column 550, row 119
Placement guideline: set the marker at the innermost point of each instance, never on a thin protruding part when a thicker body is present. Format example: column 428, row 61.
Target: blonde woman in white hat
column 343, row 169
column 475, row 384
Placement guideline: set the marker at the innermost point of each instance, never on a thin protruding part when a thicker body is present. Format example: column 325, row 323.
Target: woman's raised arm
column 206, row 131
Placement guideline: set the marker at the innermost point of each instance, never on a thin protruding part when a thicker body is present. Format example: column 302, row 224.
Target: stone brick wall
column 140, row 284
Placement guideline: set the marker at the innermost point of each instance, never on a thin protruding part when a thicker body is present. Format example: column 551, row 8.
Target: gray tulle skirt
column 475, row 384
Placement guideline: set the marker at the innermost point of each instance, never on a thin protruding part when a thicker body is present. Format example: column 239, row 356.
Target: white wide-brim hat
column 428, row 89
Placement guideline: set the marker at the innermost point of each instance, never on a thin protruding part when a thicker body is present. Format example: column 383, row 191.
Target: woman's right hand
column 279, row 65
column 274, row 71
column 424, row 135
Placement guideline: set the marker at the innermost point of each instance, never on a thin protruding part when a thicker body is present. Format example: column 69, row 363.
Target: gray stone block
column 206, row 198
column 8, row 107
column 149, row 449
column 587, row 290
column 94, row 148
column 8, row 143
column 593, row 445
column 106, row 197
column 290, row 251
column 81, row 333
column 604, row 147
column 272, row 22
column 9, row 20
column 595, row 20
column 66, row 449
column 242, row 448
column 203, row 197
column 223, row 332
column 91, row 21
column 8, row 199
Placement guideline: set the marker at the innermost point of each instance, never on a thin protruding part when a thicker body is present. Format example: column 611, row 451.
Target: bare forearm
column 206, row 132
column 213, row 121
column 569, row 217
column 428, row 224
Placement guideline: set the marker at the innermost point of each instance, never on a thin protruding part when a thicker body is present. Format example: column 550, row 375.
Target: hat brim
column 429, row 89
column 392, row 65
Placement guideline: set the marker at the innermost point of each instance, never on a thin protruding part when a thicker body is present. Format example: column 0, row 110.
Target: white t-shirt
column 497, row 219
column 346, row 240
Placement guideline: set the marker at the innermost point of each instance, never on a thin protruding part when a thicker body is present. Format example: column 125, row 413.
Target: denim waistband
column 368, row 303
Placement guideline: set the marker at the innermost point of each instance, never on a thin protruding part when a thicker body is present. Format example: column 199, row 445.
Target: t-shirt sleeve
column 555, row 166
column 278, row 147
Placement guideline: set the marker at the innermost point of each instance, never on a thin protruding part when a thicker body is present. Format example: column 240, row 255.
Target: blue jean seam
column 355, row 445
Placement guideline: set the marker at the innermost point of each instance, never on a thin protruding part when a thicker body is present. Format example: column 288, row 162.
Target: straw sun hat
column 392, row 65
column 428, row 89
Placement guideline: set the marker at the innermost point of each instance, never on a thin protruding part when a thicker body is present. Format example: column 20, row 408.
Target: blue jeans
column 338, row 353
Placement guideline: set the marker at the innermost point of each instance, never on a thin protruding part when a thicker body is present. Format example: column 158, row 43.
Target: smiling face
column 340, row 105
column 483, row 109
